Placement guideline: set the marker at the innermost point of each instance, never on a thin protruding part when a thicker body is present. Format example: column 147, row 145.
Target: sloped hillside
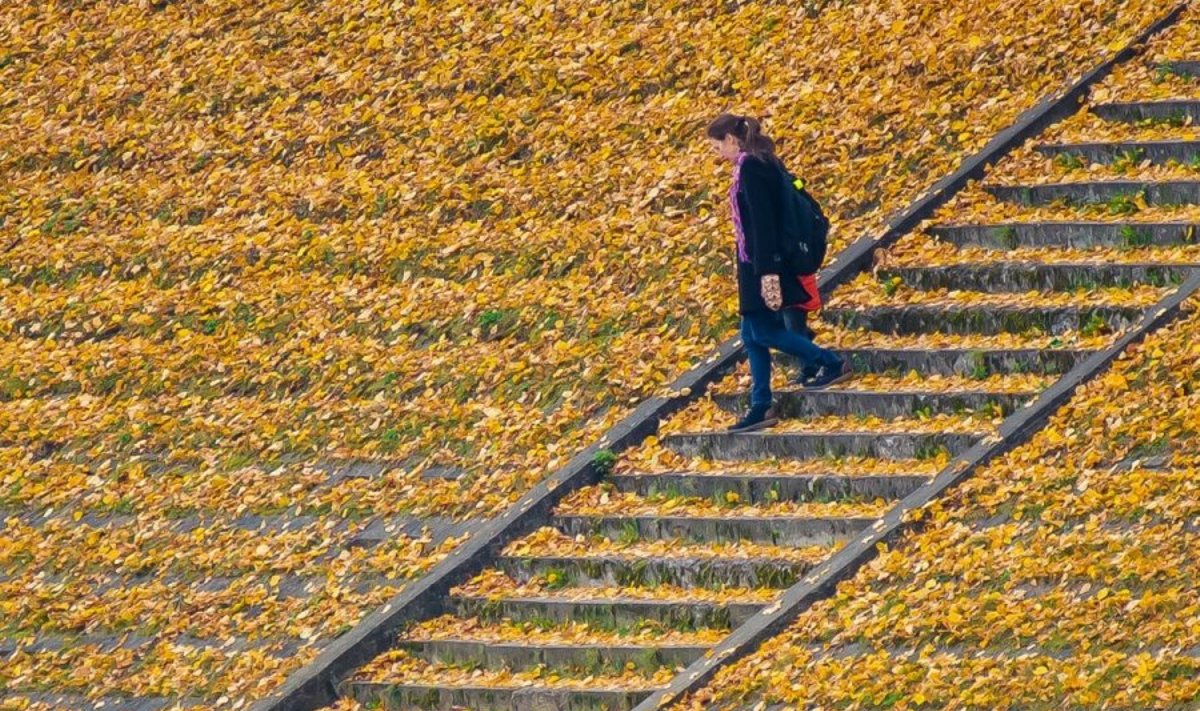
column 291, row 289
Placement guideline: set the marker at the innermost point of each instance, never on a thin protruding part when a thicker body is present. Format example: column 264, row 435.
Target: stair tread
column 449, row 628
column 760, row 475
column 1024, row 263
column 493, row 585
column 905, row 390
column 800, row 428
column 1058, row 223
column 593, row 502
column 397, row 668
column 550, row 543
column 910, row 382
column 1115, row 258
column 868, row 295
column 1089, row 180
column 655, row 458
column 852, row 339
column 504, row 683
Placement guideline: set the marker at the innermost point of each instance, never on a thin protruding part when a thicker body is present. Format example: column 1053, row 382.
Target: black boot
column 759, row 417
column 828, row 375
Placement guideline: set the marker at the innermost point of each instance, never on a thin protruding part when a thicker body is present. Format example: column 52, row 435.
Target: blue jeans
column 764, row 331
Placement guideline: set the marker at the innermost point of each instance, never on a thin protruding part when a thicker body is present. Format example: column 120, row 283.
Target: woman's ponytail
column 748, row 132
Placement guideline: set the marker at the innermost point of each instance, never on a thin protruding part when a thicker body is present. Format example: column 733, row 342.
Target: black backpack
column 805, row 228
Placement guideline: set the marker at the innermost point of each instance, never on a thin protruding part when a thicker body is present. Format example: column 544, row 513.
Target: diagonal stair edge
column 822, row 582
column 314, row 685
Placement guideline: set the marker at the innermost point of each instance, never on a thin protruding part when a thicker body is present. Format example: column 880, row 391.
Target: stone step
column 1069, row 234
column 1176, row 111
column 391, row 696
column 800, row 403
column 751, row 446
column 608, row 613
column 984, row 320
column 1136, row 151
column 587, row 658
column 977, row 363
column 1184, row 67
column 1035, row 276
column 709, row 573
column 766, row 488
column 775, row 530
column 1174, row 192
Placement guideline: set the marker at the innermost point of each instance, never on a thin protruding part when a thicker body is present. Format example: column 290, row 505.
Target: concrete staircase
column 633, row 579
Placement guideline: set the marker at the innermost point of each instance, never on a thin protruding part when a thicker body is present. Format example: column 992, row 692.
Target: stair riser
column 1023, row 277
column 915, row 320
column 686, row 573
column 764, row 489
column 971, row 363
column 795, row 445
column 1154, row 151
column 1185, row 68
column 431, row 698
column 1171, row 111
column 1176, row 193
column 776, row 530
column 607, row 615
column 801, row 405
column 1072, row 234
column 579, row 660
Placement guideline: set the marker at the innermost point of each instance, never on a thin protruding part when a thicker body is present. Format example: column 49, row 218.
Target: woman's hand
column 771, row 292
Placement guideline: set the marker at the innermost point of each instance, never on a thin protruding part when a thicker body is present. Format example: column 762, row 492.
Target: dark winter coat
column 758, row 196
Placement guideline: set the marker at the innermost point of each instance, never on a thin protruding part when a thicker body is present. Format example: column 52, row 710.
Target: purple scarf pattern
column 738, row 232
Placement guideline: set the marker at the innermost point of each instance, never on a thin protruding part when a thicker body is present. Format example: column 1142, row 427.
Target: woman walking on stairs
column 766, row 281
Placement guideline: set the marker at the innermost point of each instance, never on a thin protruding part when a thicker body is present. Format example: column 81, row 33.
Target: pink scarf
column 738, row 232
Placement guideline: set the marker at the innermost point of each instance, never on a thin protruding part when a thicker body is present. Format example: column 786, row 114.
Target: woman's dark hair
column 748, row 132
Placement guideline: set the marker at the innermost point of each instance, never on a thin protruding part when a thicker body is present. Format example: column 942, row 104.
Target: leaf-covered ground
column 249, row 249
column 1063, row 574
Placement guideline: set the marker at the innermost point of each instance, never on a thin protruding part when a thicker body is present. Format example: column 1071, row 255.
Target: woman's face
column 727, row 147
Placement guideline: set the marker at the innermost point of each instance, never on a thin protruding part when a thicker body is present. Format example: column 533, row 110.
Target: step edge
column 532, row 687
column 669, row 602
column 1127, row 142
column 881, row 393
column 665, row 559
column 557, row 646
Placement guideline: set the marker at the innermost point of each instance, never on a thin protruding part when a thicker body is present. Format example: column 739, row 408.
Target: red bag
column 809, row 284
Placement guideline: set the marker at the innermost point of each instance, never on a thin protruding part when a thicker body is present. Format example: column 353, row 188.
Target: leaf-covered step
column 1081, row 234
column 766, row 488
column 1133, row 151
column 577, row 658
column 775, row 530
column 707, row 572
column 987, row 320
column 1120, row 194
column 435, row 696
column 972, row 362
column 609, row 612
column 1035, row 276
column 809, row 445
column 1173, row 111
column 796, row 402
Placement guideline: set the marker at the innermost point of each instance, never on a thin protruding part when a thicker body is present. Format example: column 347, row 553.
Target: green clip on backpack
column 805, row 227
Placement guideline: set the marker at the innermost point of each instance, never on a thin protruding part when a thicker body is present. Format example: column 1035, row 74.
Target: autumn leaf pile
column 245, row 245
